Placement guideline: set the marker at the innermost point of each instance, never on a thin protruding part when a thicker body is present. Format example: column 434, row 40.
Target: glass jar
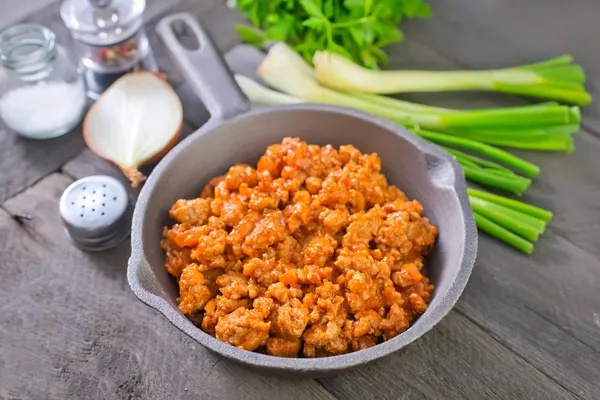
column 42, row 94
column 110, row 38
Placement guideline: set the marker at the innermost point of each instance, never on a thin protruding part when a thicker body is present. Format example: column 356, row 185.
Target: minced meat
column 312, row 253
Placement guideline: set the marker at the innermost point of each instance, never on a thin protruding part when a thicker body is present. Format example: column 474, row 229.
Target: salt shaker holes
column 93, row 221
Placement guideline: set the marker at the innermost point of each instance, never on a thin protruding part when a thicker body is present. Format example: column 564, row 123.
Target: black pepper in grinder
column 111, row 39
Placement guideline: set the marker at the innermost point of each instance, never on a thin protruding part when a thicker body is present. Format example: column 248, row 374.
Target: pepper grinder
column 111, row 40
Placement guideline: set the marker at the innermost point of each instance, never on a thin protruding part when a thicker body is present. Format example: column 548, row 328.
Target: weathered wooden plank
column 456, row 360
column 559, row 282
column 502, row 306
column 24, row 161
column 71, row 328
column 569, row 185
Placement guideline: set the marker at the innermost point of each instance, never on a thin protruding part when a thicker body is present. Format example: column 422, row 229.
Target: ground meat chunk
column 408, row 275
column 283, row 347
column 334, row 220
column 263, row 305
column 243, row 328
column 395, row 322
column 241, row 230
column 267, row 231
column 319, row 250
column 328, row 338
column 233, row 285
column 289, row 321
column 210, row 247
column 311, row 254
column 289, row 250
column 362, row 229
column 240, row 174
column 193, row 293
column 362, row 292
column 299, row 213
column 232, row 212
column 176, row 258
column 313, row 184
column 191, row 212
column 218, row 308
column 363, row 342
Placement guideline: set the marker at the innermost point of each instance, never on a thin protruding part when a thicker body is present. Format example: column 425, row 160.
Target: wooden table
column 526, row 327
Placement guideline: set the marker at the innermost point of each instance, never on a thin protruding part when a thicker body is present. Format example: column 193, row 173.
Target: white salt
column 43, row 110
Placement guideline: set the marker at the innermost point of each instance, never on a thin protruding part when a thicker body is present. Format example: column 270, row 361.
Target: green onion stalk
column 287, row 72
column 555, row 79
column 513, row 222
column 550, row 138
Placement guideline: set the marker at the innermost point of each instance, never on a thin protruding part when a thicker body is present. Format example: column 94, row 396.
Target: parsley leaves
column 357, row 29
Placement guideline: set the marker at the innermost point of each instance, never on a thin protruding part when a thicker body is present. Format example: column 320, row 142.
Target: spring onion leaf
column 507, row 221
column 481, row 148
column 515, row 184
column 536, row 223
column 551, row 80
column 503, row 234
column 533, row 211
column 476, row 160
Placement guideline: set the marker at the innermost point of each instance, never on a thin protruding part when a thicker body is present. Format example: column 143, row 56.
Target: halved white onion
column 136, row 121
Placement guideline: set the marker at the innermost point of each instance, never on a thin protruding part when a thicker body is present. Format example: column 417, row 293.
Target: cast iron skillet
column 235, row 134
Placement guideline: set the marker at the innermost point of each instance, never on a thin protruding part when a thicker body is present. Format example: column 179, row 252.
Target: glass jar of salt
column 111, row 39
column 42, row 94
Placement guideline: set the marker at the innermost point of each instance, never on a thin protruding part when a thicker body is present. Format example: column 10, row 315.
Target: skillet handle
column 202, row 65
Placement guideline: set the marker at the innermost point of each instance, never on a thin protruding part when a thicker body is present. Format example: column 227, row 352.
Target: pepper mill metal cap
column 97, row 212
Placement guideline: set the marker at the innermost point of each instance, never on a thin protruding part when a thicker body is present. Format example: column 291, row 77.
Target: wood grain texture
column 560, row 341
column 71, row 328
column 456, row 360
column 25, row 161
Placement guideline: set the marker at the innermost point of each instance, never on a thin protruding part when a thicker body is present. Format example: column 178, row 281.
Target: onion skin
column 132, row 172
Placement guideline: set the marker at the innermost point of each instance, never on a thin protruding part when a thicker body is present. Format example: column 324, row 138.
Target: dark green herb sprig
column 357, row 29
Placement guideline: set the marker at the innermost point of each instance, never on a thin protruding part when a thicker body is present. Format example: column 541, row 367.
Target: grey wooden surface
column 527, row 327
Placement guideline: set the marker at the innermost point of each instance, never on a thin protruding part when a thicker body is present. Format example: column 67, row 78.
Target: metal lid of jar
column 102, row 22
column 96, row 212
